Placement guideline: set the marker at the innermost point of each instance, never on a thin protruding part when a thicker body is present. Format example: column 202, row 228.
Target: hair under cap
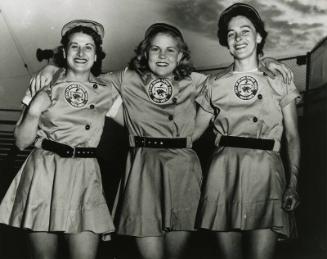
column 239, row 9
column 162, row 27
column 97, row 27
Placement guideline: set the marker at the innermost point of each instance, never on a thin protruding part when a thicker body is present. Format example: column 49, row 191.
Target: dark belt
column 254, row 143
column 68, row 151
column 160, row 142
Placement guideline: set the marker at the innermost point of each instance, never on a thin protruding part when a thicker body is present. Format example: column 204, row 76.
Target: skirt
column 55, row 194
column 243, row 191
column 159, row 192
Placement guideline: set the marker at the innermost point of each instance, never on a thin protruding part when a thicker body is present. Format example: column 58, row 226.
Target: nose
column 162, row 54
column 238, row 36
column 80, row 52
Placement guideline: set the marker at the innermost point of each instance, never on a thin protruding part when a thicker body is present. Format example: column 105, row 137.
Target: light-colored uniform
column 52, row 193
column 244, row 187
column 161, row 187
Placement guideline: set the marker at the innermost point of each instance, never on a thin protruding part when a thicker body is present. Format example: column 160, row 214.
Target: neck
column 243, row 65
column 75, row 76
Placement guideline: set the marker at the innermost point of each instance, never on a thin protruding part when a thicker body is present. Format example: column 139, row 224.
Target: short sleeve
column 291, row 93
column 27, row 97
column 205, row 96
column 198, row 80
column 114, row 78
column 116, row 103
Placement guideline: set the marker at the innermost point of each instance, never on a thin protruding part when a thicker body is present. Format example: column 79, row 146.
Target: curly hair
column 139, row 63
column 59, row 58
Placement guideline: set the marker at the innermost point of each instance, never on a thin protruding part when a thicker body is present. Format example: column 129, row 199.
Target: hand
column 42, row 79
column 272, row 68
column 291, row 200
column 40, row 103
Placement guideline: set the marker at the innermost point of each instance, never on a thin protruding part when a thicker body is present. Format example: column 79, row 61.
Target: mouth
column 162, row 64
column 80, row 60
column 240, row 46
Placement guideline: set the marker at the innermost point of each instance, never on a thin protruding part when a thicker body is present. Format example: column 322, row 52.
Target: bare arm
column 27, row 125
column 201, row 123
column 291, row 199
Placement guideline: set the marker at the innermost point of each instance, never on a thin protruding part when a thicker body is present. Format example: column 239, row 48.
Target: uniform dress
column 244, row 187
column 51, row 193
column 160, row 189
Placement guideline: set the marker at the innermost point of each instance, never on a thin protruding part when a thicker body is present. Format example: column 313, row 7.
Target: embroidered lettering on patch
column 76, row 95
column 246, row 87
column 160, row 91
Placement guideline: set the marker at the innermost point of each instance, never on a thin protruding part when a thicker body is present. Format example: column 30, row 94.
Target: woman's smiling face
column 242, row 37
column 80, row 52
column 164, row 55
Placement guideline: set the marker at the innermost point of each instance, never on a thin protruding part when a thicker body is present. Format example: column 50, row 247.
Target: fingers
column 287, row 74
column 267, row 72
column 290, row 203
column 37, row 82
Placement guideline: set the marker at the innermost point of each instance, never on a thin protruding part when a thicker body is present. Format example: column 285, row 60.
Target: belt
column 254, row 143
column 159, row 142
column 68, row 151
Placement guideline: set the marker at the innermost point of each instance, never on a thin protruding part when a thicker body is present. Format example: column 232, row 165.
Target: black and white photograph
column 163, row 129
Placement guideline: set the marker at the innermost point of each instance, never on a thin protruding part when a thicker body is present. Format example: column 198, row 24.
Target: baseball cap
column 234, row 10
column 97, row 27
column 161, row 27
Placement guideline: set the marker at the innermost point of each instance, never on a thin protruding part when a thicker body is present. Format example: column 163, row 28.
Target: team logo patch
column 246, row 87
column 76, row 95
column 160, row 91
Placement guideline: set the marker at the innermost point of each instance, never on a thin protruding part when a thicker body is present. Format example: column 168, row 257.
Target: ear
column 259, row 38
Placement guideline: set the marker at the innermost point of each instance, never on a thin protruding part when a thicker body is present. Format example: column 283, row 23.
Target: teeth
column 80, row 60
column 162, row 64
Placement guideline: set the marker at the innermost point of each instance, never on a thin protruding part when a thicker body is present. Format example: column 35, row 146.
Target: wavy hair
column 139, row 63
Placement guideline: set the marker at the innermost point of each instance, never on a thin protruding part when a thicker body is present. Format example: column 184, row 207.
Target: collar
column 148, row 77
column 59, row 77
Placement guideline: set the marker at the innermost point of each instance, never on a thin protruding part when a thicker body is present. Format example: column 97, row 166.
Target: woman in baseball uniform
column 58, row 190
column 246, row 198
column 159, row 193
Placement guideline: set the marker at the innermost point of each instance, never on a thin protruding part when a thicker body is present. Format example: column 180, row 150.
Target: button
column 95, row 86
column 87, row 127
column 92, row 106
column 170, row 117
column 174, row 100
column 259, row 96
column 255, row 119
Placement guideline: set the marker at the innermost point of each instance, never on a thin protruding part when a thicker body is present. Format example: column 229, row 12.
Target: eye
column 245, row 32
column 172, row 50
column 230, row 34
column 89, row 47
column 73, row 46
column 154, row 48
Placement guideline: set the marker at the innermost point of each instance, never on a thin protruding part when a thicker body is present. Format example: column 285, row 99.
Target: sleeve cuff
column 115, row 107
column 26, row 100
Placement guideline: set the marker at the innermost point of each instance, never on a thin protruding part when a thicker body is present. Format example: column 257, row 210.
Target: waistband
column 64, row 150
column 137, row 141
column 252, row 143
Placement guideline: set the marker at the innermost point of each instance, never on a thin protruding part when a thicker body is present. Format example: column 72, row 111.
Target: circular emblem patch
column 160, row 91
column 76, row 95
column 246, row 87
